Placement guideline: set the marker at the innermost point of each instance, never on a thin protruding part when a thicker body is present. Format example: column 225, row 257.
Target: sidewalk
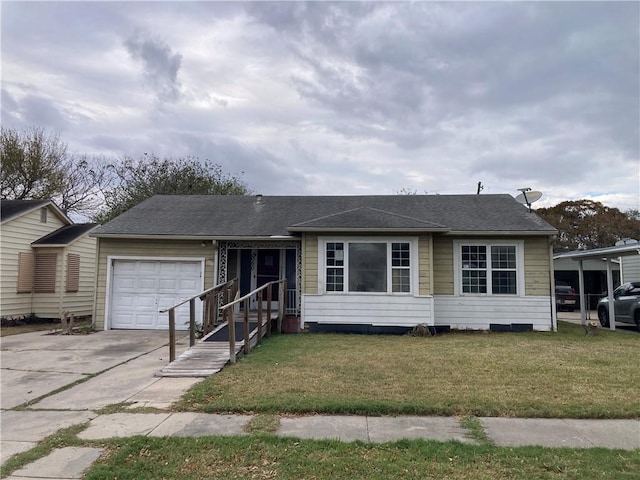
column 24, row 428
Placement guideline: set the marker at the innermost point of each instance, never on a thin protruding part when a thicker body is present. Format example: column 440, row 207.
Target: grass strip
column 263, row 423
column 475, row 430
column 268, row 457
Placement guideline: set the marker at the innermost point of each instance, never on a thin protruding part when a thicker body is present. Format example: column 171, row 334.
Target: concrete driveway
column 574, row 317
column 116, row 365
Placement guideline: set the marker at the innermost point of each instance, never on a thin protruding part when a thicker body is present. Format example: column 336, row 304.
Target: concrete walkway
column 26, row 427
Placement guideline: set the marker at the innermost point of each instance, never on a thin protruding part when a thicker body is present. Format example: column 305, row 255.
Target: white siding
column 379, row 310
column 630, row 268
column 476, row 313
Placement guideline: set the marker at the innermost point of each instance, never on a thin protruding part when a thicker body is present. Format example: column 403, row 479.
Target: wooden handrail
column 200, row 295
column 248, row 295
column 205, row 297
column 229, row 291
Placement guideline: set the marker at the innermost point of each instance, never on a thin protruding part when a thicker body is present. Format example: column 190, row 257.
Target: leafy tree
column 137, row 180
column 589, row 224
column 37, row 165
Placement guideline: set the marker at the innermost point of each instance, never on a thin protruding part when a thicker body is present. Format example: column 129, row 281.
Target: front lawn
column 564, row 374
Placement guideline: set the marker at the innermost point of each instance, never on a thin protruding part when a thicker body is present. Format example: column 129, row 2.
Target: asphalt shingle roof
column 244, row 216
column 65, row 235
column 14, row 208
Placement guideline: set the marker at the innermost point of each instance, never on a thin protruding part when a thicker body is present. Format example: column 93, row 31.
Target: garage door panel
column 168, row 285
column 169, row 268
column 147, row 284
column 141, row 288
column 123, row 266
column 145, row 321
column 125, row 283
column 147, row 268
column 187, row 285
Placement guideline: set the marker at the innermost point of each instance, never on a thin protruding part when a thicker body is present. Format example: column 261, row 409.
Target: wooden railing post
column 259, row 295
column 282, row 302
column 232, row 334
column 192, row 322
column 269, row 309
column 247, row 345
column 213, row 310
column 172, row 334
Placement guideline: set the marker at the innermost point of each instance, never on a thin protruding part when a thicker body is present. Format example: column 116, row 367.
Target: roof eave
column 366, row 230
column 509, row 233
column 56, row 209
column 193, row 237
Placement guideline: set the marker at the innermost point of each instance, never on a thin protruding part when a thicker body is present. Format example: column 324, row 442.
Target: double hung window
column 368, row 266
column 489, row 269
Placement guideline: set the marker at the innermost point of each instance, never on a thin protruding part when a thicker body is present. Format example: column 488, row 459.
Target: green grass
column 564, row 374
column 267, row 457
column 475, row 430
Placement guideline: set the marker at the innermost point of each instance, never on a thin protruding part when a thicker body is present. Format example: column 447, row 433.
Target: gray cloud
column 160, row 64
column 344, row 97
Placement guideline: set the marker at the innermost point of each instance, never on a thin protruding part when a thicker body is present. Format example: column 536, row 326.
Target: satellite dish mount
column 528, row 196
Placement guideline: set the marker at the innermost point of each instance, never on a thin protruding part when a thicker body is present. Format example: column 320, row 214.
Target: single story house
column 47, row 261
column 362, row 263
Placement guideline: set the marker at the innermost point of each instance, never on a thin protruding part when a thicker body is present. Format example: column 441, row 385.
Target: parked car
column 566, row 298
column 626, row 304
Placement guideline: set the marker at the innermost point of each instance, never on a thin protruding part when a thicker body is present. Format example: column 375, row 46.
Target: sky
column 341, row 98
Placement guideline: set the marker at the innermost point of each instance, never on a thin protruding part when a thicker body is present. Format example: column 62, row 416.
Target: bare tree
column 37, row 165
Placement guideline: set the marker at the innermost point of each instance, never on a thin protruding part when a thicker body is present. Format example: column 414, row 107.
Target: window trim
column 413, row 264
column 457, row 266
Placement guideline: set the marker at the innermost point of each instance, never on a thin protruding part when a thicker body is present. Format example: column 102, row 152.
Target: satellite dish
column 528, row 196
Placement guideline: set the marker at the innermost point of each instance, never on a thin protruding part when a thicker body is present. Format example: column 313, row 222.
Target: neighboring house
column 47, row 261
column 630, row 264
column 362, row 263
column 595, row 274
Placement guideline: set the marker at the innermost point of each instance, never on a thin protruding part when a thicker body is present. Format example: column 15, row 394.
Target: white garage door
column 140, row 288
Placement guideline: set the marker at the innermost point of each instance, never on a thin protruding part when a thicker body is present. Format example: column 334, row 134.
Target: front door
column 268, row 270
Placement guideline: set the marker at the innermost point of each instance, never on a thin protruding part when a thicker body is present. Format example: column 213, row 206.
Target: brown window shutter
column 45, row 276
column 25, row 272
column 73, row 272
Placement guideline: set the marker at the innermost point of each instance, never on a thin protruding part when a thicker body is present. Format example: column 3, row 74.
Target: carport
column 608, row 254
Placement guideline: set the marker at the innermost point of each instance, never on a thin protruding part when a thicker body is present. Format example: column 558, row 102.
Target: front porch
column 256, row 263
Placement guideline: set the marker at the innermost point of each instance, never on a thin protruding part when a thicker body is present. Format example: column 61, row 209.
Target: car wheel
column 637, row 319
column 603, row 315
